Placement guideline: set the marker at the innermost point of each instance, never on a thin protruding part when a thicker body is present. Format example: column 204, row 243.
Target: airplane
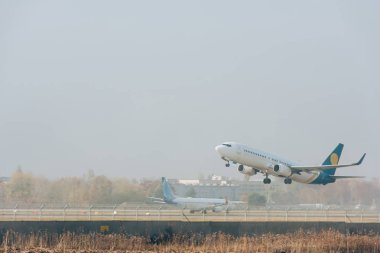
column 251, row 161
column 194, row 204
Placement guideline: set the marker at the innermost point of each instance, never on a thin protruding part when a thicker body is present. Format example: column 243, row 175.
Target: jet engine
column 246, row 170
column 282, row 170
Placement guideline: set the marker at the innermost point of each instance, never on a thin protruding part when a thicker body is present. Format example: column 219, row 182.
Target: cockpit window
column 227, row 145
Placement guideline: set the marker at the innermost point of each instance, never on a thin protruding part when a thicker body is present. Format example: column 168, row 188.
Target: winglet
column 361, row 160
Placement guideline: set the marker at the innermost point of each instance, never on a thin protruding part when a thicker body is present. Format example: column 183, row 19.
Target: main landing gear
column 267, row 179
column 287, row 180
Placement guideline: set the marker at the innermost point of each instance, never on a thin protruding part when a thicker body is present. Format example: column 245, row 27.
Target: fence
column 145, row 212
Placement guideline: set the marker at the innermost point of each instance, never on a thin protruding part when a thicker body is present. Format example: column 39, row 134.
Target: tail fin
column 333, row 159
column 166, row 190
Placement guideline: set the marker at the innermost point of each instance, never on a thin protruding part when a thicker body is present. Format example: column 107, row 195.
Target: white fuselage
column 199, row 203
column 261, row 161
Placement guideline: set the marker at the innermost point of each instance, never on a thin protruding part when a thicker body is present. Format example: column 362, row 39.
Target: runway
column 160, row 213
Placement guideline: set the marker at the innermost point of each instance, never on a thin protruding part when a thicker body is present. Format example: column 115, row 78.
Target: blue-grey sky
column 148, row 88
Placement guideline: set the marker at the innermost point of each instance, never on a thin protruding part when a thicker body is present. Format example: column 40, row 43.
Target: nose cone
column 219, row 149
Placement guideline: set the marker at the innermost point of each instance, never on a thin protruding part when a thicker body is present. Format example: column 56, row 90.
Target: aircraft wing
column 155, row 199
column 159, row 202
column 211, row 206
column 214, row 206
column 325, row 167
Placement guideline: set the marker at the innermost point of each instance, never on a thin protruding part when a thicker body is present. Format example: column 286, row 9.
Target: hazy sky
column 148, row 88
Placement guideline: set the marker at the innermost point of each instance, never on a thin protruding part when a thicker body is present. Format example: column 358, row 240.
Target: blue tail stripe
column 333, row 158
column 323, row 178
column 167, row 191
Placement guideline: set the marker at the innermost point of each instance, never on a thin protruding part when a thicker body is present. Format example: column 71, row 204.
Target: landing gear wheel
column 267, row 181
column 287, row 180
column 227, row 164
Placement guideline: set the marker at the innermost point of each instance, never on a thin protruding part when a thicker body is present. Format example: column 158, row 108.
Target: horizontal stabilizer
column 343, row 177
column 237, row 202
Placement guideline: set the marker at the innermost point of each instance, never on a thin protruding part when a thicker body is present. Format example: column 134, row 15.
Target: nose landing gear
column 228, row 162
column 287, row 180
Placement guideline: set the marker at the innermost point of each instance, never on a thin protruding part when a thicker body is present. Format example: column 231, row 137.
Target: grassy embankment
column 327, row 241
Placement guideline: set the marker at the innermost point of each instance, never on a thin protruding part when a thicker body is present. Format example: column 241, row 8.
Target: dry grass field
column 326, row 241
